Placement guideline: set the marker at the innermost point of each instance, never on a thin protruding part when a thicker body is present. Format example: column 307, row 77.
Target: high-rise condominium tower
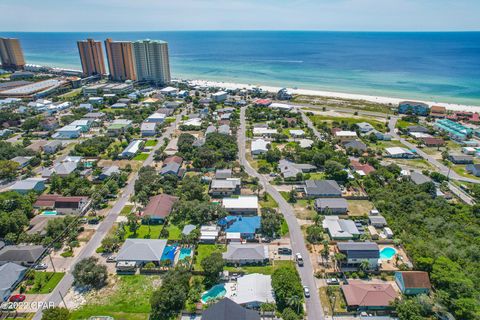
column 91, row 56
column 120, row 60
column 151, row 61
column 11, row 54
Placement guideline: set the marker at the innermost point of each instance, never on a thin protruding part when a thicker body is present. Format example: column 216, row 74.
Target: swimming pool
column 216, row 292
column 49, row 213
column 185, row 253
column 387, row 253
column 169, row 253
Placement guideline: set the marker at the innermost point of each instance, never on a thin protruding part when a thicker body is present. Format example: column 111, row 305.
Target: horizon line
column 254, row 30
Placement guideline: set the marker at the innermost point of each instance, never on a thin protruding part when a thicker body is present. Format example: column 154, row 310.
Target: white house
column 253, row 290
column 241, row 205
column 132, row 149
column 219, row 96
column 346, row 135
column 156, row 117
column 264, row 132
column 399, row 152
column 169, row 91
column 148, row 129
column 259, row 146
column 67, row 132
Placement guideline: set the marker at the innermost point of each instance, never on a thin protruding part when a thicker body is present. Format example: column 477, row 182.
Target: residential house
column 172, row 165
column 455, row 130
column 369, row 296
column 246, row 226
column 412, row 107
column 28, row 185
column 61, row 204
column 226, row 309
column 364, row 127
column 159, row 207
column 169, row 91
column 61, row 169
column 209, row 234
column 290, row 169
column 460, row 159
column 438, row 112
column 119, row 105
column 67, row 132
column 361, row 168
column 331, row 205
column 259, row 146
column 413, row 282
column 148, row 129
column 24, row 255
column 322, row 189
column 305, row 143
column 241, row 205
column 357, row 252
column 107, row 172
column 355, row 145
column 344, row 136
column 469, row 150
column 225, row 187
column 132, row 149
column 474, row 169
column 223, row 174
column 22, row 161
column 399, row 153
column 224, row 129
column 242, row 254
column 10, row 276
column 264, row 132
column 52, row 147
column 220, row 96
column 156, row 118
column 297, row 133
column 253, row 290
column 141, row 251
column 281, row 106
column 419, row 178
column 83, row 124
column 195, row 122
column 118, row 126
column 340, row 229
column 377, row 221
column 433, row 142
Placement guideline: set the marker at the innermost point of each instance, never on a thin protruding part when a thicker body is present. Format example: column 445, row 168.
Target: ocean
column 439, row 66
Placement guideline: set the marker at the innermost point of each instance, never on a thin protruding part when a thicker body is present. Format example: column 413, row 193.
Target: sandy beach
column 340, row 95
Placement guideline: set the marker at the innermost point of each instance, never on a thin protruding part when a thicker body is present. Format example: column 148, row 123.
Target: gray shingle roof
column 322, row 188
column 20, row 253
column 333, row 203
column 226, row 309
column 246, row 252
column 142, row 250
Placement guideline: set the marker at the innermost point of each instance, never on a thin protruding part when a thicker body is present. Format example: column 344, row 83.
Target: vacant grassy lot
column 204, row 250
column 333, row 102
column 144, row 232
column 151, row 143
column 174, row 232
column 268, row 203
column 359, row 207
column 126, row 210
column 45, row 282
column 268, row 270
column 379, row 125
column 141, row 156
column 129, row 298
column 340, row 304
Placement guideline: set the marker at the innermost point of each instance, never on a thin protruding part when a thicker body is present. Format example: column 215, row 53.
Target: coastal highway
column 314, row 307
column 440, row 166
column 89, row 250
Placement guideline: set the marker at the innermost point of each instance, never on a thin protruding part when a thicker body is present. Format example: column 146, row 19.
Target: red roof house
column 369, row 295
column 159, row 207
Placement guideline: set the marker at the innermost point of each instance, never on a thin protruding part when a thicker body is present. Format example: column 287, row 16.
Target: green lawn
column 129, row 299
column 142, row 232
column 174, row 232
column 268, row 203
column 284, row 229
column 402, row 124
column 203, row 251
column 48, row 280
column 151, row 143
column 126, row 210
column 267, row 270
column 317, row 175
column 379, row 125
column 141, row 156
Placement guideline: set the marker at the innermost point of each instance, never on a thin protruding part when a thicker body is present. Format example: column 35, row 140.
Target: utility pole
column 61, row 296
column 51, row 261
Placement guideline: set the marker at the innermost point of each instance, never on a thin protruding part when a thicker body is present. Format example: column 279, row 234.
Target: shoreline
column 332, row 94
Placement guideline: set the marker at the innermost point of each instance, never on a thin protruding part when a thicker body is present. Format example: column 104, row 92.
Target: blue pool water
column 49, row 213
column 387, row 253
column 169, row 253
column 216, row 292
column 185, row 253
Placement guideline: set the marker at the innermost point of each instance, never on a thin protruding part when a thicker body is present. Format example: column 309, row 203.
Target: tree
column 170, row 299
column 292, row 196
column 8, row 169
column 289, row 314
column 212, row 266
column 408, row 309
column 271, row 222
column 90, row 273
column 56, row 313
column 133, row 223
column 287, row 287
column 314, row 234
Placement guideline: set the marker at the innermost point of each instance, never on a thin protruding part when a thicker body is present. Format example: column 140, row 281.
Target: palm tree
column 364, row 265
column 339, row 257
column 294, row 302
column 317, row 218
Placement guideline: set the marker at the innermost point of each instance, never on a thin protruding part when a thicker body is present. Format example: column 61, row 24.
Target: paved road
column 440, row 166
column 89, row 250
column 314, row 307
column 310, row 124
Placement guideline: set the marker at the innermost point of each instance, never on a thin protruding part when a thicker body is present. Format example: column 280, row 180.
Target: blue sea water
column 441, row 66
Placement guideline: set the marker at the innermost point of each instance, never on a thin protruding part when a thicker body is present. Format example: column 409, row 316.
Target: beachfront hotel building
column 120, row 60
column 151, row 61
column 91, row 56
column 11, row 54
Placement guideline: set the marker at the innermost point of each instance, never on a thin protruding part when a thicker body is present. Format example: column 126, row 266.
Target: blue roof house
column 246, row 226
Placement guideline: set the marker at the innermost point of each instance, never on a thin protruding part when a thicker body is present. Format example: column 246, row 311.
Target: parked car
column 299, row 259
column 17, row 298
column 286, row 251
column 93, row 221
column 333, row 281
column 112, row 258
column 306, row 291
column 40, row 266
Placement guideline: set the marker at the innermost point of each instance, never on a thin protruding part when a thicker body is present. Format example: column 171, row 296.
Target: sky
column 161, row 15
